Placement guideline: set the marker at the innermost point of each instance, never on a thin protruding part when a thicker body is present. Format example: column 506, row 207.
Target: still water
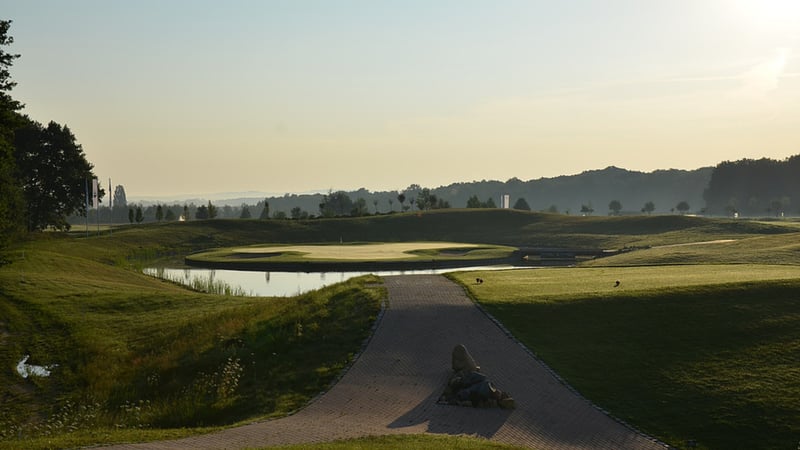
column 274, row 284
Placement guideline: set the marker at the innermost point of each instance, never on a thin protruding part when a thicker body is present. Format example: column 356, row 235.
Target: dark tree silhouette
column 245, row 212
column 265, row 212
column 522, row 204
column 53, row 171
column 615, row 207
column 11, row 198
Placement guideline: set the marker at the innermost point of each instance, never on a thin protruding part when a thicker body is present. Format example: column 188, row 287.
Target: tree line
column 755, row 187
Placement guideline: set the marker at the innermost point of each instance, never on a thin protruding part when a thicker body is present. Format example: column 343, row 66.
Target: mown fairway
column 671, row 349
column 708, row 353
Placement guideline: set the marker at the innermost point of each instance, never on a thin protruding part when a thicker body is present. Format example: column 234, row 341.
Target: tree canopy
column 43, row 170
column 754, row 187
column 615, row 207
column 11, row 201
column 336, row 204
column 53, row 171
column 522, row 204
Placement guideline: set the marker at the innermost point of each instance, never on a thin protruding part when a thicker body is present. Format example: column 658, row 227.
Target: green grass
column 690, row 352
column 143, row 359
column 135, row 352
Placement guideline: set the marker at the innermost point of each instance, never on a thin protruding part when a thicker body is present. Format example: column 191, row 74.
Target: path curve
column 393, row 386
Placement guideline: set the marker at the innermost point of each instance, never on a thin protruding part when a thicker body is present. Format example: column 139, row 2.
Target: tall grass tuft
column 202, row 283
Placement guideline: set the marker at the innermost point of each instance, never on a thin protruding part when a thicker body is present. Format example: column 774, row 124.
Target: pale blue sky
column 173, row 97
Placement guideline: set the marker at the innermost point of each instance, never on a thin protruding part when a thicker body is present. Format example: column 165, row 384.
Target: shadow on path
column 394, row 385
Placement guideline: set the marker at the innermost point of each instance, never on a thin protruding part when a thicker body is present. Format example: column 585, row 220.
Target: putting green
column 359, row 252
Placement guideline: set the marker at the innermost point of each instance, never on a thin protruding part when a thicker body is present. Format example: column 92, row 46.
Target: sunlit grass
column 551, row 285
column 707, row 353
column 353, row 252
column 758, row 249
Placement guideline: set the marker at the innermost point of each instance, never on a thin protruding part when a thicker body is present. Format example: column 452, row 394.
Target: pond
column 274, row 284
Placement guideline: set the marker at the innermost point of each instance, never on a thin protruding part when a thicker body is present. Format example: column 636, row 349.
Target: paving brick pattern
column 394, row 385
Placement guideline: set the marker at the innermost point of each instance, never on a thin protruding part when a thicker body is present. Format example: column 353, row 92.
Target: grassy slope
column 119, row 335
column 683, row 352
column 134, row 351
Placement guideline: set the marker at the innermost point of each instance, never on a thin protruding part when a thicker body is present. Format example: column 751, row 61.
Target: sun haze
column 197, row 97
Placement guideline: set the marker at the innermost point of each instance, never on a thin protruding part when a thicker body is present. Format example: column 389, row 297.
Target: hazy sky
column 173, row 97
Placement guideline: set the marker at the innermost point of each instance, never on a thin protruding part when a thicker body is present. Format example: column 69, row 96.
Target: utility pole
column 110, row 207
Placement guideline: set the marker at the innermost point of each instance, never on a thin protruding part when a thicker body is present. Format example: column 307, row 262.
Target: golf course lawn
column 354, row 252
column 697, row 352
column 697, row 342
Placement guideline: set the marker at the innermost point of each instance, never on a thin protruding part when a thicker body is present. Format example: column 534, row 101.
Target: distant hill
column 748, row 187
column 564, row 194
column 665, row 188
column 595, row 188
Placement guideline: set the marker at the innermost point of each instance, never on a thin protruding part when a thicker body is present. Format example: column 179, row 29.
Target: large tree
column 212, row 210
column 53, row 171
column 359, row 208
column 615, row 206
column 522, row 204
column 245, row 212
column 120, row 205
column 336, row 204
column 264, row 211
column 11, row 201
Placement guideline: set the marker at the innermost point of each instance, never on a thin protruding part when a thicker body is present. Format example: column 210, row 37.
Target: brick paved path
column 393, row 386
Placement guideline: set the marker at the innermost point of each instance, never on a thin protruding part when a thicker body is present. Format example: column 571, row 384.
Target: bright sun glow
column 771, row 15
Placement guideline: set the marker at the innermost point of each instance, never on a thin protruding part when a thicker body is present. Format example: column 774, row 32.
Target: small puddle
column 25, row 370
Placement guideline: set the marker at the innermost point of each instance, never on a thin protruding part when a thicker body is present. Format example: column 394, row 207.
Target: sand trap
column 398, row 250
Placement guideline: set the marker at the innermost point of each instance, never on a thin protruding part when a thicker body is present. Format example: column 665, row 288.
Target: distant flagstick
column 86, row 189
column 95, row 203
column 110, row 207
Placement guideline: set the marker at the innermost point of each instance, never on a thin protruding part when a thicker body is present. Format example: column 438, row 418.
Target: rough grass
column 134, row 352
column 705, row 353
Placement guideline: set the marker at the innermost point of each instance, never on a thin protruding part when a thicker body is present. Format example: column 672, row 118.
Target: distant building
column 505, row 201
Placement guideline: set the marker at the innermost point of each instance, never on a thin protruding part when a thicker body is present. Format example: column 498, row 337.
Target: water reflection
column 276, row 284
